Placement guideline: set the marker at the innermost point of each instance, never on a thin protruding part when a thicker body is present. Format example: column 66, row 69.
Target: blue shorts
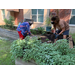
column 64, row 33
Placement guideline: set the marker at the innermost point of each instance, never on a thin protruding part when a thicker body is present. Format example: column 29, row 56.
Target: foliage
column 6, row 21
column 48, row 21
column 9, row 22
column 57, row 53
column 39, row 30
column 33, row 31
column 47, row 39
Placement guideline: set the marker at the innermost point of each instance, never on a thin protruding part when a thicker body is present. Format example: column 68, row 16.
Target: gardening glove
column 56, row 36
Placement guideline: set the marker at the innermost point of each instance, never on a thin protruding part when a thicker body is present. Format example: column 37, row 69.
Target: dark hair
column 30, row 23
column 55, row 18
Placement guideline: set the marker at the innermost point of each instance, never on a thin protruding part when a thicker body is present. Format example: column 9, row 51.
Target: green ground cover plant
column 57, row 53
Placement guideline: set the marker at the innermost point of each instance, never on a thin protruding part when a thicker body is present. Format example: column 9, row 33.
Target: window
column 37, row 15
column 3, row 14
column 72, row 20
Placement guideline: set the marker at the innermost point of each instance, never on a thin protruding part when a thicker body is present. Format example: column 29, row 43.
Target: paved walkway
column 8, row 34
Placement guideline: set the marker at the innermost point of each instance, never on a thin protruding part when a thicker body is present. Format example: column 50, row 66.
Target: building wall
column 63, row 14
column 72, row 29
column 18, row 16
column 7, row 14
column 28, row 14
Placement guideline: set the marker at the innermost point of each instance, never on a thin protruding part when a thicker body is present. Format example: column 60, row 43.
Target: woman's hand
column 27, row 33
column 63, row 29
column 31, row 35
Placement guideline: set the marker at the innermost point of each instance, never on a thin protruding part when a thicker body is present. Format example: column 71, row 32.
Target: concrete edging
column 21, row 62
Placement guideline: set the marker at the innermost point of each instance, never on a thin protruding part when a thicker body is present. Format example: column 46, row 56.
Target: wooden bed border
column 70, row 41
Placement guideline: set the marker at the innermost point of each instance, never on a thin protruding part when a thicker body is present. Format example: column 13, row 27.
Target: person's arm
column 54, row 28
column 28, row 29
column 63, row 29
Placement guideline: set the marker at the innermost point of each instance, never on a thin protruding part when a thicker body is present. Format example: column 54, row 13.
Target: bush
column 39, row 30
column 9, row 22
column 33, row 31
column 48, row 21
column 6, row 21
column 57, row 53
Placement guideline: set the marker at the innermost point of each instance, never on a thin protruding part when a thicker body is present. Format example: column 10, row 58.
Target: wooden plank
column 70, row 41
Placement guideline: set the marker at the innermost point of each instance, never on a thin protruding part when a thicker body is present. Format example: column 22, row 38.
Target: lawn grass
column 5, row 55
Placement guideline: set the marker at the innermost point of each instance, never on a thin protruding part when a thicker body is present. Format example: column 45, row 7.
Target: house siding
column 28, row 14
column 20, row 14
column 7, row 14
column 63, row 14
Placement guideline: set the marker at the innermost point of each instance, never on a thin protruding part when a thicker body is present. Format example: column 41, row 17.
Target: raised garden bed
column 43, row 38
column 49, row 38
column 21, row 62
column 42, row 50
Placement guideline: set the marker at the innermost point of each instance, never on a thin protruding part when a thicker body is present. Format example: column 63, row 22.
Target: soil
column 49, row 36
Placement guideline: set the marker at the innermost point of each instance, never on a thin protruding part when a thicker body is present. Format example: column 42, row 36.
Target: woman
column 61, row 25
column 24, row 30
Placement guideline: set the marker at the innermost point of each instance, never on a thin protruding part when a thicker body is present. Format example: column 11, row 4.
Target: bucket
column 48, row 28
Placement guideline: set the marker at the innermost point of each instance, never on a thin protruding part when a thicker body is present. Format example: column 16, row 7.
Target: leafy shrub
column 17, row 48
column 33, row 31
column 47, row 39
column 9, row 22
column 39, row 30
column 6, row 21
column 48, row 21
column 58, row 53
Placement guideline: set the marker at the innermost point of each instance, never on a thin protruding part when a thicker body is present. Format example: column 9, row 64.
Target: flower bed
column 57, row 53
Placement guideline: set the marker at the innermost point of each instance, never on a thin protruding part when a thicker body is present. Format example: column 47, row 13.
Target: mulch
column 49, row 36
